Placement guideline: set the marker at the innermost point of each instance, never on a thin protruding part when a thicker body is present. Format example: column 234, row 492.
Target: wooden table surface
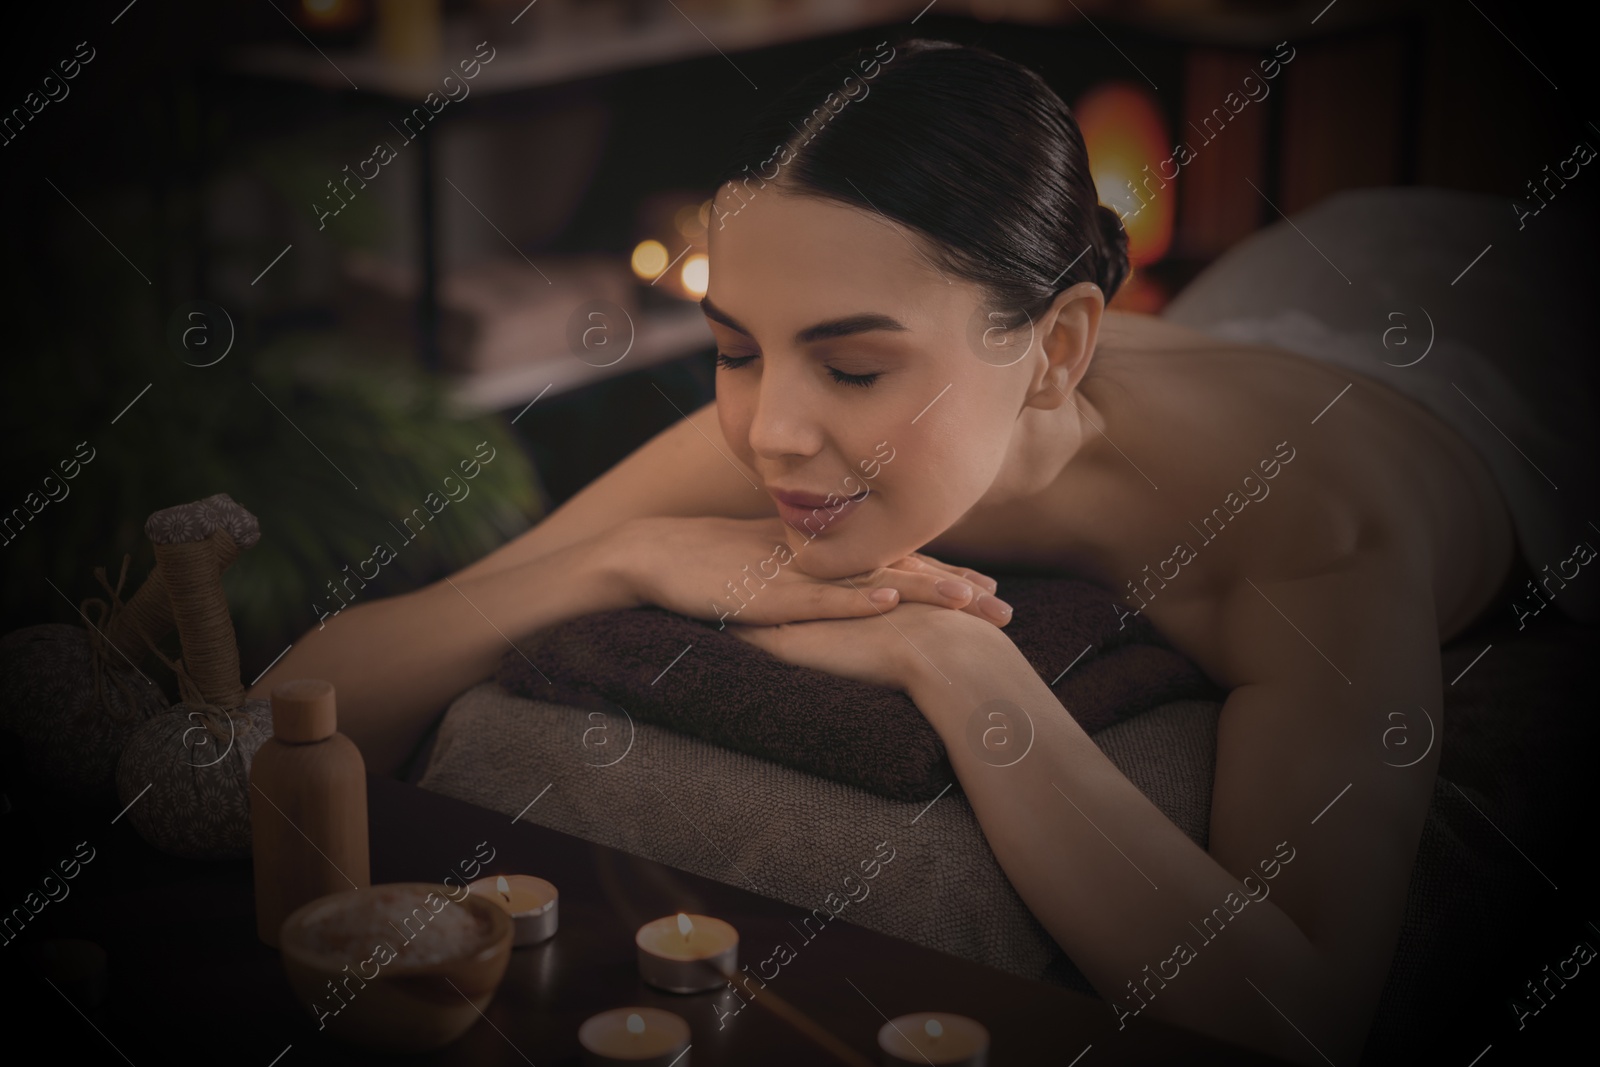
column 189, row 981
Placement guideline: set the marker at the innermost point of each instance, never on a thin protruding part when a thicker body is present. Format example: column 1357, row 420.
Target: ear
column 1068, row 331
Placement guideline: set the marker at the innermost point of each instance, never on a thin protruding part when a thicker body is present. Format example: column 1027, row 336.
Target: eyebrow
column 865, row 322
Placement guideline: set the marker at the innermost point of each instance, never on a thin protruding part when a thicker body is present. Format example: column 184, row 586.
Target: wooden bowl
column 420, row 994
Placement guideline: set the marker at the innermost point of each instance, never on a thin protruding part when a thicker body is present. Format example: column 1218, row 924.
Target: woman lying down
column 915, row 364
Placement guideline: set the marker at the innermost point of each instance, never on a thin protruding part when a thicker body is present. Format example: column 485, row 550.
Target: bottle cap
column 303, row 711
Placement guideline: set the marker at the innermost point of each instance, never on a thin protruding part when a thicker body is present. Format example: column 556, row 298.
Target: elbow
column 300, row 659
column 1276, row 992
column 1295, row 1021
column 1315, row 1018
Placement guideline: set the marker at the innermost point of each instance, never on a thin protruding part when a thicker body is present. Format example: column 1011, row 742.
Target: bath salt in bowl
column 403, row 967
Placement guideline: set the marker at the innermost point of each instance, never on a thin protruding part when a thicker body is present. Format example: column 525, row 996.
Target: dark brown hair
column 975, row 152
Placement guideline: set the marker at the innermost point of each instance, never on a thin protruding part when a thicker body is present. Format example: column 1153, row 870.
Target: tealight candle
column 635, row 1036
column 687, row 953
column 935, row 1037
column 531, row 901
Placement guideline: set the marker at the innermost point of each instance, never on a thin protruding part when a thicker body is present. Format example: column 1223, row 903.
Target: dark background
column 195, row 173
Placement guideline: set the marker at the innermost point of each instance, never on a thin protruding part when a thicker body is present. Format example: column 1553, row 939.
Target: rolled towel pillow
column 1104, row 663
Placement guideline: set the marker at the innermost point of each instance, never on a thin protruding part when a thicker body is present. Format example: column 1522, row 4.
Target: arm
column 1124, row 891
column 688, row 469
column 655, row 528
column 396, row 662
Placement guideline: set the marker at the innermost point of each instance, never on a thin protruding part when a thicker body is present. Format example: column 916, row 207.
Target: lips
column 811, row 514
column 809, row 500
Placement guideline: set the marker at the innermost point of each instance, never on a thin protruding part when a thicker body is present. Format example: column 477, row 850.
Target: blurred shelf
column 587, row 51
column 661, row 336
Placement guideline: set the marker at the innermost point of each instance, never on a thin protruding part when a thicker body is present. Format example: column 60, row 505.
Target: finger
column 977, row 578
column 972, row 599
column 760, row 636
column 946, row 578
column 936, row 586
column 987, row 607
column 923, row 585
column 992, row 609
column 773, row 640
column 805, row 600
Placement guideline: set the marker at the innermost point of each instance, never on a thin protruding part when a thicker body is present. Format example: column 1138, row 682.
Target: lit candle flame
column 635, row 1023
column 933, row 1027
column 504, row 887
column 685, row 927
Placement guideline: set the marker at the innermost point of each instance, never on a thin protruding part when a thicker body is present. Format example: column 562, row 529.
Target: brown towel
column 731, row 693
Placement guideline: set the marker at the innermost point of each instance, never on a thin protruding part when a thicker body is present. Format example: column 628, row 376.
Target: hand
column 722, row 569
column 889, row 651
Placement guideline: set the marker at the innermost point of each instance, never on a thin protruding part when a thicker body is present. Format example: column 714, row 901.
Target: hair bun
column 1113, row 251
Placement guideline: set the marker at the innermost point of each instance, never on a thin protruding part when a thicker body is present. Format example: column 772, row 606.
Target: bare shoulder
column 1121, row 330
column 685, row 470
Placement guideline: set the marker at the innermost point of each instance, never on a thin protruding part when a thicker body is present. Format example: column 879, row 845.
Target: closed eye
column 842, row 378
column 727, row 362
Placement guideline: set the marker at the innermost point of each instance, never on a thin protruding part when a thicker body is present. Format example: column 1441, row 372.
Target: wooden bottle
column 308, row 807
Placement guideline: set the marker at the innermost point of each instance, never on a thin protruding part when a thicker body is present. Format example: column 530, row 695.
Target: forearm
column 1110, row 877
column 396, row 662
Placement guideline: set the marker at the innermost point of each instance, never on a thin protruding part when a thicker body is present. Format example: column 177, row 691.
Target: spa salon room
column 799, row 532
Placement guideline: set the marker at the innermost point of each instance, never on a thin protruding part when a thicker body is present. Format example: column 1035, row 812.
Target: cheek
column 956, row 458
column 933, row 483
column 918, row 494
column 733, row 417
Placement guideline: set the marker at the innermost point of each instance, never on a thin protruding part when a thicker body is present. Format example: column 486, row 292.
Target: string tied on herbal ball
column 194, row 700
column 109, row 614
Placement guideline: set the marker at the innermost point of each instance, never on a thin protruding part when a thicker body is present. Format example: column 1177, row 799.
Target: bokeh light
column 649, row 259
column 696, row 274
column 1129, row 160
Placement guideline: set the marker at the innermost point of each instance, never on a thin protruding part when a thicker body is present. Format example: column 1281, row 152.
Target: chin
column 847, row 552
column 831, row 557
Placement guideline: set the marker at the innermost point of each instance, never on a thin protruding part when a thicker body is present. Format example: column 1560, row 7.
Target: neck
column 1050, row 442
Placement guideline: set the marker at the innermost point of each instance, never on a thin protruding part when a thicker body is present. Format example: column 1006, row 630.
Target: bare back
column 1195, row 425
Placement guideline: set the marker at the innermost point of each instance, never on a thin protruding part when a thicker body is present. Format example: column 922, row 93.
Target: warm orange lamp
column 329, row 15
column 1129, row 160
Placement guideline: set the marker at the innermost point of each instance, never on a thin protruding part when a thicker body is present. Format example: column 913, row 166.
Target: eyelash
column 861, row 381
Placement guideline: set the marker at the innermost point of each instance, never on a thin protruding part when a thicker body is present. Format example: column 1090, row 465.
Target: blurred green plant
column 333, row 456
column 329, row 440
column 331, row 447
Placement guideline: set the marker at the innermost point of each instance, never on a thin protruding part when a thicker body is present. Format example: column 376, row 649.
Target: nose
column 784, row 424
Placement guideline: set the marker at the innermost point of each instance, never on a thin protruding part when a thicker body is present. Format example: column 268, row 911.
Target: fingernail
column 954, row 590
column 988, row 583
column 995, row 608
column 883, row 596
